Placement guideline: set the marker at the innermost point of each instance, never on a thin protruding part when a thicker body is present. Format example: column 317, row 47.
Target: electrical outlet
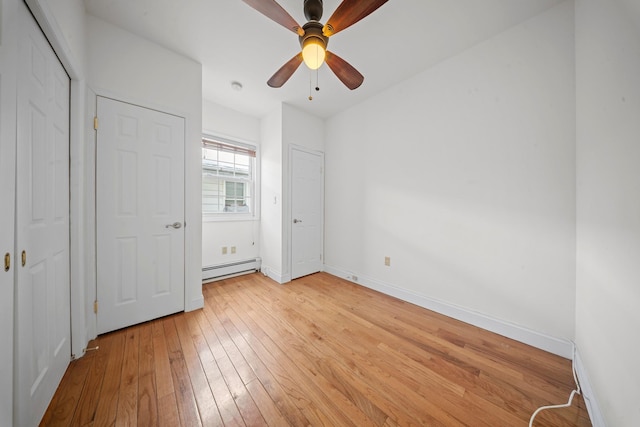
column 233, row 249
column 224, row 250
column 387, row 261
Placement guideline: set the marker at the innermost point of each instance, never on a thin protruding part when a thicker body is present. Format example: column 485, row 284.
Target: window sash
column 223, row 173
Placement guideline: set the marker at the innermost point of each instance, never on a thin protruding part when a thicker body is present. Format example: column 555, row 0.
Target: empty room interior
column 236, row 213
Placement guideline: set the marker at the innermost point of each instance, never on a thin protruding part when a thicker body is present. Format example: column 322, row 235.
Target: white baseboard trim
column 195, row 304
column 597, row 419
column 519, row 333
column 275, row 275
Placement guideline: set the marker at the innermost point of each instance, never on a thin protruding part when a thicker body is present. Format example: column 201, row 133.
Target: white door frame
column 8, row 120
column 289, row 220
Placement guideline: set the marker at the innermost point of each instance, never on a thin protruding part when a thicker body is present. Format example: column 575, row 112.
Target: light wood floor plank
column 204, row 397
column 185, row 398
column 208, row 345
column 66, row 402
column 110, row 392
column 295, row 346
column 306, row 393
column 324, row 326
column 88, row 402
column 147, row 397
column 162, row 367
column 319, row 351
column 281, row 322
column 127, row 414
column 280, row 398
column 168, row 411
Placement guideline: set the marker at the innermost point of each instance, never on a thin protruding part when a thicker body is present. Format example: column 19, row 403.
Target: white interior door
column 306, row 212
column 140, row 214
column 7, row 210
column 42, row 327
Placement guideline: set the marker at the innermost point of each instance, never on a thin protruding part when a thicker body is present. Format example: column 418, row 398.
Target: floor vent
column 221, row 271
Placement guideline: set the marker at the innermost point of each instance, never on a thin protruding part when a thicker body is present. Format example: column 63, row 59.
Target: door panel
column 140, row 194
column 42, row 327
column 306, row 212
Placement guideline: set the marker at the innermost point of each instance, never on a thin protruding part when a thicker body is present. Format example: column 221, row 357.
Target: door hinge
column 95, row 306
column 95, row 123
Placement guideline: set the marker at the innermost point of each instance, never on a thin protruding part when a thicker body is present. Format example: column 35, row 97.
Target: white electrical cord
column 573, row 393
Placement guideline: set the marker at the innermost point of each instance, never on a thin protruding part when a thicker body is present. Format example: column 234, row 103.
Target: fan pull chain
column 311, row 83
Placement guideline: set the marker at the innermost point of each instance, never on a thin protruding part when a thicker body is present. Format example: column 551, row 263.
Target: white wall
column 271, row 190
column 282, row 128
column 126, row 67
column 70, row 16
column 244, row 235
column 465, row 177
column 223, row 121
column 304, row 130
column 608, row 200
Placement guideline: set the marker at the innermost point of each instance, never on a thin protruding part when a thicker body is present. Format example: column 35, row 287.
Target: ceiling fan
column 314, row 36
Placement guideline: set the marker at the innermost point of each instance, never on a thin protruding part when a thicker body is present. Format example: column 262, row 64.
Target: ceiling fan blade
column 286, row 71
column 344, row 71
column 348, row 13
column 271, row 9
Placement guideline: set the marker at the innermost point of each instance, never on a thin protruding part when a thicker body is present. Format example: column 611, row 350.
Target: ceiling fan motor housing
column 313, row 10
column 313, row 29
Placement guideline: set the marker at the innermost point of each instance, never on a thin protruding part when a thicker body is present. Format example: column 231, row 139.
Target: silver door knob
column 176, row 225
column 295, row 221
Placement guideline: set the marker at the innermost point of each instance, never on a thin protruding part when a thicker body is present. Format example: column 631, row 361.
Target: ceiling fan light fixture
column 314, row 52
column 314, row 36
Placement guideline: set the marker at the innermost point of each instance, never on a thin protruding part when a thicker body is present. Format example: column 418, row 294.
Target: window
column 228, row 184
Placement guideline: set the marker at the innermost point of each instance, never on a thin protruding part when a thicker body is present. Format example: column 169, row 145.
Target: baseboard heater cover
column 220, row 271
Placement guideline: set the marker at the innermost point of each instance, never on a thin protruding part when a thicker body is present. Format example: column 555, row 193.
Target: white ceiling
column 233, row 42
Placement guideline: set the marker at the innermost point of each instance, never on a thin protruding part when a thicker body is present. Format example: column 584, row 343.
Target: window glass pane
column 212, row 194
column 226, row 158
column 235, row 200
column 227, row 178
column 242, row 171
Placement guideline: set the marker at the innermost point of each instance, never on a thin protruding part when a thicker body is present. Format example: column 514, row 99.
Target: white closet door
column 7, row 209
column 306, row 212
column 140, row 214
column 42, row 224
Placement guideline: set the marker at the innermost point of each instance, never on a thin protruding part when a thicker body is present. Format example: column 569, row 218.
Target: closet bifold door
column 8, row 45
column 42, row 291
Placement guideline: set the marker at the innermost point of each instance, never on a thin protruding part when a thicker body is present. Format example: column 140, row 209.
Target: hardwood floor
column 319, row 351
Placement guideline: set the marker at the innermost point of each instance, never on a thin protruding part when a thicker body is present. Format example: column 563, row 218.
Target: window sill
column 229, row 218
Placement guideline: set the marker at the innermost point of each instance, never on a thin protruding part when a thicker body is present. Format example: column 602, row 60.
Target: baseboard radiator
column 220, row 271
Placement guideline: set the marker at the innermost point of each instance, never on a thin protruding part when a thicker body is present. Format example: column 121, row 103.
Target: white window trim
column 233, row 216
